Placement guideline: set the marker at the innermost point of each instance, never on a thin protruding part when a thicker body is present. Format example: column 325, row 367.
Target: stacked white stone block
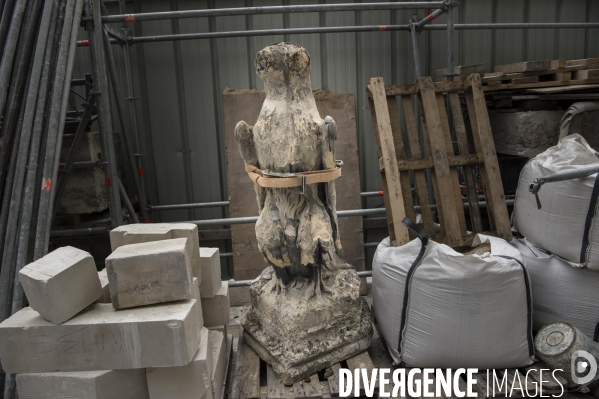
column 61, row 284
column 106, row 384
column 93, row 334
column 148, row 273
column 105, row 297
column 140, row 233
column 216, row 309
column 210, row 266
column 191, row 381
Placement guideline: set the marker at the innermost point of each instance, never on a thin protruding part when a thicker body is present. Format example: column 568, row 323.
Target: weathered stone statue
column 306, row 311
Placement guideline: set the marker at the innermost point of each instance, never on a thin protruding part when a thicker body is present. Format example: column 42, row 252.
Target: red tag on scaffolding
column 130, row 18
column 140, row 172
column 108, row 181
column 84, row 43
column 381, row 193
column 382, row 28
column 46, row 184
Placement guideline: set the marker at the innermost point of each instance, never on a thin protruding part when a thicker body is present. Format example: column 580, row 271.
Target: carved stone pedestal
column 298, row 335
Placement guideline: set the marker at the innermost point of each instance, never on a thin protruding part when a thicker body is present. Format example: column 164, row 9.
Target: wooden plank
column 459, row 70
column 333, row 380
column 359, row 362
column 550, row 385
column 400, row 151
column 455, row 181
column 249, row 380
column 524, row 66
column 236, row 366
column 530, row 79
column 419, row 176
column 410, row 89
column 276, row 390
column 445, row 193
column 393, row 191
column 586, row 74
column 583, row 62
column 502, row 76
column 386, row 199
column 308, row 388
column 510, row 86
column 462, row 138
column 561, row 63
column 438, row 232
column 452, row 160
column 486, row 149
column 245, row 105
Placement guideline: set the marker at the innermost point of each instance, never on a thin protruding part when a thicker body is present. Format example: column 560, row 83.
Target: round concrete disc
column 554, row 339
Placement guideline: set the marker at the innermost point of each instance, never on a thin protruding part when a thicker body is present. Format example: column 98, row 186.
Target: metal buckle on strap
column 270, row 173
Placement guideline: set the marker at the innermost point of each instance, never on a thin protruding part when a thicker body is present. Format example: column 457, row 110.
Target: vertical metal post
column 449, row 42
column 125, row 133
column 415, row 50
column 103, row 108
column 68, row 165
column 133, row 114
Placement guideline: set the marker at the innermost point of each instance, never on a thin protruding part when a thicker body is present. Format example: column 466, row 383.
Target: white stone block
column 219, row 363
column 99, row 338
column 216, row 310
column 105, row 297
column 187, row 382
column 210, row 266
column 61, row 284
column 102, row 384
column 139, row 233
column 149, row 273
column 195, row 294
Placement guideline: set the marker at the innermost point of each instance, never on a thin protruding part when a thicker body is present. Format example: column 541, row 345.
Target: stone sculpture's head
column 284, row 68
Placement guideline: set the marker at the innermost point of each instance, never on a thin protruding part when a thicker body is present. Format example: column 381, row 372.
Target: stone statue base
column 298, row 336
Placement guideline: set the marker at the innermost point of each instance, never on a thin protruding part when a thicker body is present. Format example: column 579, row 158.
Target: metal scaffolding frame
column 416, row 26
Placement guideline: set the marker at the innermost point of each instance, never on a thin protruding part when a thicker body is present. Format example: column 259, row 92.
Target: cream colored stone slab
column 143, row 232
column 61, row 284
column 102, row 384
column 195, row 294
column 100, row 338
column 216, row 310
column 105, row 297
column 191, row 381
column 219, row 363
column 210, row 267
column 149, row 273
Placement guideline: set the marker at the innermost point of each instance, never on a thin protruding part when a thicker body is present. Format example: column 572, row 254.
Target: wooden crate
column 403, row 164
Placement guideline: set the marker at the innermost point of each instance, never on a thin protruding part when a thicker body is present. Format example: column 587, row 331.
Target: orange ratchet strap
column 269, row 179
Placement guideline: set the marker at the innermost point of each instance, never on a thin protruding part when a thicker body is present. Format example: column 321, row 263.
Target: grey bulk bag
column 436, row 307
column 565, row 224
column 561, row 292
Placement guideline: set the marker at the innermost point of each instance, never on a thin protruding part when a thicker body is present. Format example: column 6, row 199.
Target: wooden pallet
column 401, row 159
column 253, row 378
column 530, row 74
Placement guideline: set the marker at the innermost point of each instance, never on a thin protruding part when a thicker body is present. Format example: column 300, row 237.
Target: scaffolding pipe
column 152, row 208
column 10, row 50
column 247, row 283
column 100, row 77
column 174, row 207
column 340, row 29
column 55, row 120
column 66, row 232
column 125, row 134
column 430, row 18
column 226, row 12
column 27, row 208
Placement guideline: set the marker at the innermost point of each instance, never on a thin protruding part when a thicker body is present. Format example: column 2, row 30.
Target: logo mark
column 579, row 366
